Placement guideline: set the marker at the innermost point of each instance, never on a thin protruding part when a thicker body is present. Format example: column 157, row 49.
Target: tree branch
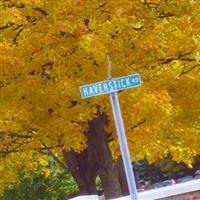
column 21, row 28
column 138, row 124
column 50, row 153
column 16, row 5
column 179, row 57
column 165, row 15
column 8, row 151
column 48, row 148
column 4, row 27
column 138, row 29
column 45, row 13
column 188, row 70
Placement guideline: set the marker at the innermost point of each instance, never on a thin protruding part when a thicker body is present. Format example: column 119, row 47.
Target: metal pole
column 123, row 146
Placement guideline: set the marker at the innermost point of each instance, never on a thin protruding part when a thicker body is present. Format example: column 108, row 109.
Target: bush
column 57, row 186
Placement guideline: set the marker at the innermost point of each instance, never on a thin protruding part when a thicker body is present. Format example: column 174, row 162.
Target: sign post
column 123, row 145
column 111, row 87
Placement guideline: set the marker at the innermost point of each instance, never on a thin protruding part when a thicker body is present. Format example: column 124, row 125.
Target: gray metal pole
column 123, row 146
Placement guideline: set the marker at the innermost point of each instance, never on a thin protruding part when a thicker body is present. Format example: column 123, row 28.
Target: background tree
column 49, row 48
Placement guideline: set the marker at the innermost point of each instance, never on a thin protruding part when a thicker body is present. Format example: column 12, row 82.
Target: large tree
column 49, row 48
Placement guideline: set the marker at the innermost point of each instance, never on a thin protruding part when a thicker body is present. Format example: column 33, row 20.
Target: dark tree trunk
column 83, row 171
column 97, row 160
column 122, row 177
column 107, row 168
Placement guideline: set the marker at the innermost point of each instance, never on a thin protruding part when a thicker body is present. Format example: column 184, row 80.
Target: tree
column 50, row 48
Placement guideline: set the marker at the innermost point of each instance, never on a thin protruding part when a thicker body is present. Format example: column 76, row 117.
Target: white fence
column 168, row 191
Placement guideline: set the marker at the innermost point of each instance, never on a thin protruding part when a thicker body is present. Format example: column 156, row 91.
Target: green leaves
column 56, row 186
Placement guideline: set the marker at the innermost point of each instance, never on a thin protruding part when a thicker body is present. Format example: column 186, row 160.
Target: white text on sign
column 110, row 86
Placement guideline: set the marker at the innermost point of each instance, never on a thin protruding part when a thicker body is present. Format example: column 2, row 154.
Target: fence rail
column 156, row 194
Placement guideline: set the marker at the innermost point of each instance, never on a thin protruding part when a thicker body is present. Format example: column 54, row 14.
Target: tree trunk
column 83, row 171
column 122, row 177
column 97, row 160
column 107, row 168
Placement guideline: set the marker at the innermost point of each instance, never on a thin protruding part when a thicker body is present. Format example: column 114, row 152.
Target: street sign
column 110, row 86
